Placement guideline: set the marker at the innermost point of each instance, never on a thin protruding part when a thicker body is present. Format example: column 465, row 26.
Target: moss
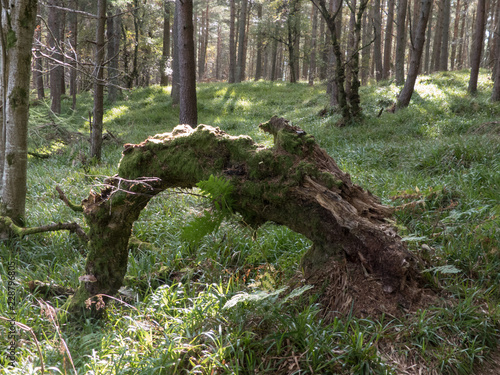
column 11, row 39
column 329, row 180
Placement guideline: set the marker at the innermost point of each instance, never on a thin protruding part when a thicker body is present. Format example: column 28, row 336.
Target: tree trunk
column 443, row 62
column 260, row 45
column 323, row 50
column 96, row 136
column 203, row 42
column 312, row 197
column 16, row 66
column 218, row 59
column 232, row 43
column 401, row 42
column 240, row 66
column 377, row 44
column 495, row 51
column 274, row 58
column 478, row 46
column 416, row 55
column 365, row 52
column 134, row 76
column 73, row 40
column 187, row 67
column 460, row 58
column 455, row 36
column 56, row 71
column 175, row 93
column 495, row 95
column 38, row 71
column 314, row 31
column 438, row 37
column 350, row 48
column 165, row 56
column 427, row 60
column 388, row 41
column 112, row 55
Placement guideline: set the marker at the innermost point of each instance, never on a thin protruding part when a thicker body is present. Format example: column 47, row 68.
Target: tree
column 443, row 62
column 388, row 40
column 187, row 67
column 111, row 36
column 38, row 71
column 73, row 41
column 495, row 95
column 401, row 41
column 416, row 55
column 315, row 198
column 56, row 70
column 312, row 65
column 477, row 47
column 175, row 93
column 240, row 66
column 377, row 44
column 166, row 44
column 455, row 35
column 260, row 45
column 16, row 39
column 232, row 43
column 96, row 136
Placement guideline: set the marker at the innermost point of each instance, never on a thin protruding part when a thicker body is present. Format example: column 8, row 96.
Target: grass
column 221, row 307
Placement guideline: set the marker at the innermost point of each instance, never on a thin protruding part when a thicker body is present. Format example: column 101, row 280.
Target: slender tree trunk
column 455, row 35
column 365, row 52
column 56, row 71
column 478, row 46
column 203, row 41
column 438, row 37
column 38, row 72
column 73, row 39
column 62, row 34
column 443, row 62
column 274, row 58
column 260, row 45
column 495, row 95
column 401, row 41
column 175, row 93
column 245, row 43
column 323, row 50
column 135, row 64
column 416, row 55
column 427, row 59
column 495, row 51
column 240, row 66
column 165, row 56
column 16, row 40
column 187, row 66
column 388, row 40
column 232, row 43
column 218, row 59
column 460, row 58
column 377, row 45
column 350, row 48
column 112, row 55
column 314, row 31
column 96, row 136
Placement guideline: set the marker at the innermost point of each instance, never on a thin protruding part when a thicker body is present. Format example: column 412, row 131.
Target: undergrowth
column 223, row 304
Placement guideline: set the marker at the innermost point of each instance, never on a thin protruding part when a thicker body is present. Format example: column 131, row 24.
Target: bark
column 478, row 46
column 314, row 32
column 351, row 48
column 38, row 71
column 438, row 37
column 165, row 56
column 203, row 42
column 323, row 50
column 388, row 41
column 260, row 45
column 134, row 76
column 73, row 41
column 96, row 136
column 112, row 57
column 416, row 55
column 495, row 51
column 232, row 43
column 56, row 72
column 219, row 53
column 460, row 58
column 401, row 41
column 443, row 62
column 428, row 45
column 16, row 39
column 495, row 95
column 455, row 35
column 377, row 44
column 365, row 52
column 295, row 183
column 175, row 93
column 240, row 66
column 187, row 66
column 274, row 58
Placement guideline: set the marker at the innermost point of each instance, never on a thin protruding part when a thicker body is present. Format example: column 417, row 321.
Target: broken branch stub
column 294, row 183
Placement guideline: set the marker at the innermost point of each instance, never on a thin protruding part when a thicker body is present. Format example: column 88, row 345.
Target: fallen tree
column 294, row 183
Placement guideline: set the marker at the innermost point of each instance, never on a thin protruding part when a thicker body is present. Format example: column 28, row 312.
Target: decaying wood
column 294, row 183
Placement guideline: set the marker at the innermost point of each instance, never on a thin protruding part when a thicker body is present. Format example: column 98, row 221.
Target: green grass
column 177, row 318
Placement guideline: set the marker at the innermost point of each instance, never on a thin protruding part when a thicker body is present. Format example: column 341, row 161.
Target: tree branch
column 73, row 206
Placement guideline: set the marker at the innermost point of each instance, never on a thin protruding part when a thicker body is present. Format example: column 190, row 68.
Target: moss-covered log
column 294, row 183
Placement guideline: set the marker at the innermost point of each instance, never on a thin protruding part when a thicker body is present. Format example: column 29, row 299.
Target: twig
column 73, row 206
column 21, row 232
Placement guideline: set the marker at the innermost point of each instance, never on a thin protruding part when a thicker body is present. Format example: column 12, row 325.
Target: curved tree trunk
column 295, row 183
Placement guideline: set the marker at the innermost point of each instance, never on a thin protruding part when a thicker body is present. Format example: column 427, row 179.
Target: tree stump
column 294, row 183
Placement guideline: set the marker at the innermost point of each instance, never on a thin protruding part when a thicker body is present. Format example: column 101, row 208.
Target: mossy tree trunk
column 294, row 183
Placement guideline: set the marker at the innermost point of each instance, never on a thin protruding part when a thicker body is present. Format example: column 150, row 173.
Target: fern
column 218, row 190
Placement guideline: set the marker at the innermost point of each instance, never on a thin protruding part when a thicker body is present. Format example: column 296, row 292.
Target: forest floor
column 235, row 302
